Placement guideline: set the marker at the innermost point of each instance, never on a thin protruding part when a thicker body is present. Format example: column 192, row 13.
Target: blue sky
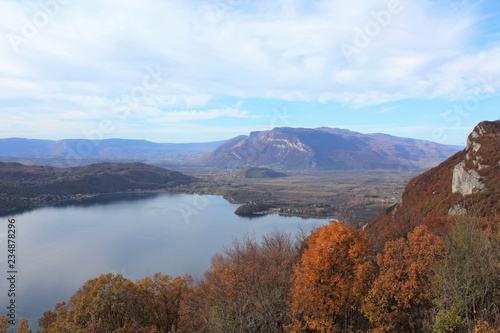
column 205, row 70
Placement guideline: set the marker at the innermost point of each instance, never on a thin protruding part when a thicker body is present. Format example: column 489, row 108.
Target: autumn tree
column 245, row 289
column 467, row 279
column 112, row 303
column 4, row 324
column 401, row 297
column 135, row 328
column 57, row 320
column 482, row 326
column 330, row 280
column 164, row 295
column 24, row 326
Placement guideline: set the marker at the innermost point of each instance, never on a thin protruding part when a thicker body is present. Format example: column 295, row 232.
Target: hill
column 250, row 172
column 325, row 149
column 466, row 183
column 31, row 186
column 73, row 152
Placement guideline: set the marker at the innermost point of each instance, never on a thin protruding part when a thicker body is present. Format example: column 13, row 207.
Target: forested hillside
column 23, row 187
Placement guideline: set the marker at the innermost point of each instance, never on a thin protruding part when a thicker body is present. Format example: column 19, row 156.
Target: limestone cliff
column 466, row 183
column 466, row 178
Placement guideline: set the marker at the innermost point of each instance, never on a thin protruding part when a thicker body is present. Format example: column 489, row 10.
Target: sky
column 208, row 70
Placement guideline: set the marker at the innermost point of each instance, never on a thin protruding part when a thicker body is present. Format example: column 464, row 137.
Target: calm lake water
column 59, row 248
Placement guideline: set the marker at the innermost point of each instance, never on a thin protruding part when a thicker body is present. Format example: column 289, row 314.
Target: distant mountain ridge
column 325, row 148
column 280, row 148
column 75, row 150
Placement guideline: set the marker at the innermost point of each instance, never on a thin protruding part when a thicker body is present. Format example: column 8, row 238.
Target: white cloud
column 90, row 53
column 193, row 115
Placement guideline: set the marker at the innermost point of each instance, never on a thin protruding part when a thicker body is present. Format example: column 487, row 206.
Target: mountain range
column 70, row 152
column 280, row 148
column 325, row 149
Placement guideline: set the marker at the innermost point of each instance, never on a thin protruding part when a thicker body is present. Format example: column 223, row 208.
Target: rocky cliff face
column 465, row 181
column 468, row 183
column 466, row 178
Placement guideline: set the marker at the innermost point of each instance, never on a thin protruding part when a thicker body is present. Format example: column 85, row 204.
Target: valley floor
column 352, row 196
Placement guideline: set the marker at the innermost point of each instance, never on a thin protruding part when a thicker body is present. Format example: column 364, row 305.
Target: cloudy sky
column 205, row 70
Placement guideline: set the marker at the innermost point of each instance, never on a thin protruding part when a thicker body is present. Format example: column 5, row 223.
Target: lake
column 59, row 248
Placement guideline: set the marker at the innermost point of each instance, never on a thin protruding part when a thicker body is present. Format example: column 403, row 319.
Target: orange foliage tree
column 4, row 324
column 24, row 326
column 330, row 280
column 112, row 303
column 401, row 293
column 57, row 320
column 164, row 298
column 245, row 289
column 107, row 303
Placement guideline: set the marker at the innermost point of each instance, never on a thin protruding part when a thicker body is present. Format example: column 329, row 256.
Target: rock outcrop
column 465, row 181
column 468, row 183
column 466, row 178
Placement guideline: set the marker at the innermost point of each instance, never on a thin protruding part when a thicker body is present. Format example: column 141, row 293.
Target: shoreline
column 117, row 196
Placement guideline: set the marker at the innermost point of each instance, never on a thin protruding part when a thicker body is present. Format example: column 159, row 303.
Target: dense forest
column 332, row 280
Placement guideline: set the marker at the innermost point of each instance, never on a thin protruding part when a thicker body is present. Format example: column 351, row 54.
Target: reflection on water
column 109, row 199
column 59, row 248
column 101, row 199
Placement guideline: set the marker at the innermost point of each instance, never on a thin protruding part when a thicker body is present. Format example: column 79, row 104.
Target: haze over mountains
column 72, row 152
column 280, row 148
